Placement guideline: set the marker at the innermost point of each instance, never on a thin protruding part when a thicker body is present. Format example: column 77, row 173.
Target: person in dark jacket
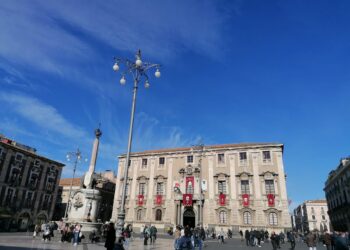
column 291, row 238
column 341, row 242
column 328, row 240
column 274, row 240
column 110, row 238
column 247, row 237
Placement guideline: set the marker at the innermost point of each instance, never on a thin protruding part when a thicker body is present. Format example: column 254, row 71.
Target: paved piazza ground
column 22, row 241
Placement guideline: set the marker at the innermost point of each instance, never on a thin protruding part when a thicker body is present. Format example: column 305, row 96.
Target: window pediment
column 268, row 175
column 244, row 175
column 221, row 175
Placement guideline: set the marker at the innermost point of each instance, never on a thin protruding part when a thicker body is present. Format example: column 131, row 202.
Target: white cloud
column 41, row 114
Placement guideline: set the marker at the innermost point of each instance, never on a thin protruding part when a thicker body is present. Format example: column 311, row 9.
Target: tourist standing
column 146, row 234
column 76, row 233
column 153, row 234
column 110, row 238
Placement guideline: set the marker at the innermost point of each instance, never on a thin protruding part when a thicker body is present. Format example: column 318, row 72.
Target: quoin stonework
column 236, row 186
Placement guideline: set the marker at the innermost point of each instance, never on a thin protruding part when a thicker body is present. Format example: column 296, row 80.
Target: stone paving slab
column 14, row 241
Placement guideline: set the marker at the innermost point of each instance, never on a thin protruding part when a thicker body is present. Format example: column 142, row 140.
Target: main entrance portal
column 189, row 218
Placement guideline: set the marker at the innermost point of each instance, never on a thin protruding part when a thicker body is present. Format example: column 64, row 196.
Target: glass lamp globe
column 157, row 73
column 138, row 62
column 122, row 80
column 147, row 85
column 116, row 67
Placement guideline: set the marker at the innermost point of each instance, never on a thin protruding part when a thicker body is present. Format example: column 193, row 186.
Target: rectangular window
column 190, row 159
column 266, row 156
column 142, row 188
column 161, row 161
column 221, row 158
column 160, row 188
column 245, row 187
column 269, row 187
column 323, row 217
column 243, row 157
column 144, row 163
column 222, row 187
column 18, row 157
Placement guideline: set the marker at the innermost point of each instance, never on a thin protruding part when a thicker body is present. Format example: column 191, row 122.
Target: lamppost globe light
column 147, row 85
column 138, row 62
column 122, row 81
column 116, row 67
column 157, row 73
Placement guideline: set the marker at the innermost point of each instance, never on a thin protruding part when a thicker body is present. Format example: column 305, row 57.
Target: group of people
column 189, row 238
column 149, row 233
column 256, row 237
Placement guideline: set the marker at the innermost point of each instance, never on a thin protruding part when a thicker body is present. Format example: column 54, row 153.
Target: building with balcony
column 312, row 215
column 337, row 190
column 233, row 186
column 28, row 186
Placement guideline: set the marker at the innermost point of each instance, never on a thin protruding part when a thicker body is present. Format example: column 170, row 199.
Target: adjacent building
column 233, row 186
column 105, row 184
column 28, row 186
column 311, row 215
column 337, row 190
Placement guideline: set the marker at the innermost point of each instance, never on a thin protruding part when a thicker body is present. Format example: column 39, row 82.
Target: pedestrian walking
column 311, row 241
column 146, row 235
column 247, row 237
column 241, row 234
column 110, row 237
column 153, row 234
column 291, row 238
column 274, row 240
column 341, row 241
column 328, row 241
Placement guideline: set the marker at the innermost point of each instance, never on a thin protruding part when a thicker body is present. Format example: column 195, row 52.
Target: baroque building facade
column 312, row 215
column 337, row 190
column 28, row 186
column 233, row 186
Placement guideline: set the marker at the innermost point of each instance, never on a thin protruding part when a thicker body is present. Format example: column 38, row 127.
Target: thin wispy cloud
column 41, row 114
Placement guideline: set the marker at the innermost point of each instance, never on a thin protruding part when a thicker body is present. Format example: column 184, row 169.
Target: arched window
column 273, row 219
column 247, row 218
column 158, row 215
column 223, row 217
column 139, row 214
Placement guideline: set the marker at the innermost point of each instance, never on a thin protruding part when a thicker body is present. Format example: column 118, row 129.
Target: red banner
column 222, row 199
column 140, row 199
column 159, row 199
column 190, row 182
column 187, row 200
column 245, row 200
column 271, row 200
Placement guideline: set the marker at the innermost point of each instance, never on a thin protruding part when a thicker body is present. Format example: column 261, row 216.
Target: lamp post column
column 121, row 214
column 138, row 70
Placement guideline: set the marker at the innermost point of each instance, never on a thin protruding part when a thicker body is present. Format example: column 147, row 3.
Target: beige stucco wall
column 231, row 170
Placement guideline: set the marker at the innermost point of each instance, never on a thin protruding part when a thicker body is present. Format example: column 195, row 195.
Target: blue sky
column 233, row 71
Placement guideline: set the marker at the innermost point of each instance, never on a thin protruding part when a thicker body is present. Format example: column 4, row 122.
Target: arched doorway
column 189, row 218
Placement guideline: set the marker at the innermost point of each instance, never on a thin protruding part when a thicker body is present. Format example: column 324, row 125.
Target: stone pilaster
column 54, row 195
column 40, row 191
column 134, row 192
column 150, row 191
column 232, row 160
column 6, row 165
column 117, row 191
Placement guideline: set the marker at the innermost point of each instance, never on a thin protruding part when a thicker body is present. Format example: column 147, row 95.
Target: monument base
column 84, row 209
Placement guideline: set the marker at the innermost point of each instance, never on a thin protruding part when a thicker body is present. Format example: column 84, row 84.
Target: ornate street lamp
column 138, row 70
column 76, row 156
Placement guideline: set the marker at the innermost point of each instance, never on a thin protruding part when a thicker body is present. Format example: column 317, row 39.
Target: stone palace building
column 234, row 186
column 28, row 186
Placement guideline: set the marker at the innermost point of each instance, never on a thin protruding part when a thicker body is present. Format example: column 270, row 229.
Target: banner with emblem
column 222, row 199
column 245, row 200
column 187, row 200
column 159, row 199
column 140, row 199
column 271, row 200
column 190, row 182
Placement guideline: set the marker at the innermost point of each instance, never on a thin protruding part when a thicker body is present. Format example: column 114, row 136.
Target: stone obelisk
column 89, row 175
